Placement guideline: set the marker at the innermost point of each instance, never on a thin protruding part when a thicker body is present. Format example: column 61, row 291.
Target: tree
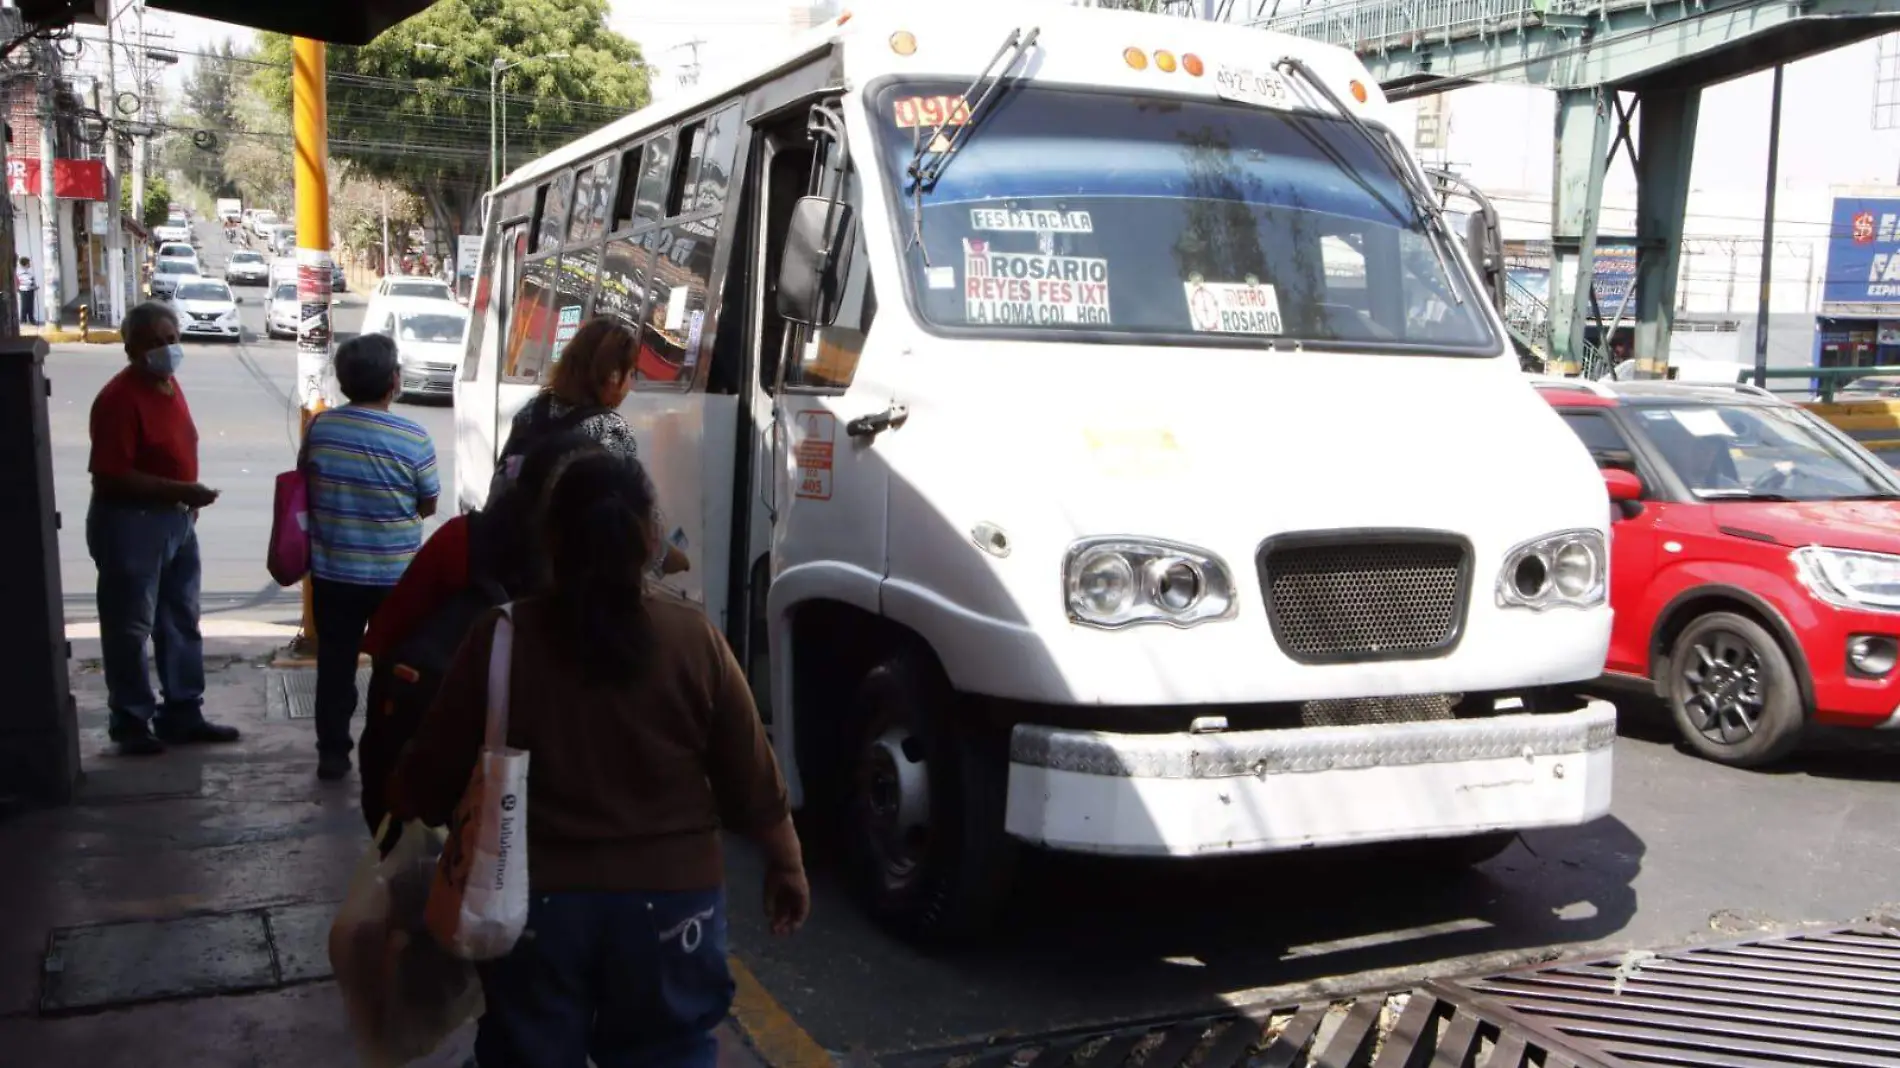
column 257, row 156
column 210, row 101
column 158, row 199
column 419, row 117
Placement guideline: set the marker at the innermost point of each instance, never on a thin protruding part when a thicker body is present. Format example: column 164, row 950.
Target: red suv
column 1754, row 562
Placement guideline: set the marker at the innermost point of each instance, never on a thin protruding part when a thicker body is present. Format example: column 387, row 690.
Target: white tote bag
column 478, row 903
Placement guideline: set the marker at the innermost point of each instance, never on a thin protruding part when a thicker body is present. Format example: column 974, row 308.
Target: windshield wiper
column 1421, row 198
column 924, row 175
column 1743, row 495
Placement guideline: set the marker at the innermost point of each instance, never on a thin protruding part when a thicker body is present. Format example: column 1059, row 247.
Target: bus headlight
column 1115, row 582
column 1567, row 570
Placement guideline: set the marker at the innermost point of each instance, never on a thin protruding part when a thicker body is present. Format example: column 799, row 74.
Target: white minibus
column 1090, row 438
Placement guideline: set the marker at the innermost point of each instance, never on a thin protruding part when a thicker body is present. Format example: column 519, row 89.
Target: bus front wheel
column 925, row 819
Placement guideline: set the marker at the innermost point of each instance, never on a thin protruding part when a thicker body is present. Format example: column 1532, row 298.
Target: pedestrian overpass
column 1628, row 75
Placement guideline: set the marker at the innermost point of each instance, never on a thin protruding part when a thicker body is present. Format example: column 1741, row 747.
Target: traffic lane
column 242, row 399
column 1691, row 850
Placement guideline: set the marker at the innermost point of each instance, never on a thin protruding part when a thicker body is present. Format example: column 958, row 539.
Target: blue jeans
column 627, row 979
column 148, row 589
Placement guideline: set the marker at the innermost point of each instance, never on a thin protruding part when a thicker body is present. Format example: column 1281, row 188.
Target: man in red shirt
column 141, row 532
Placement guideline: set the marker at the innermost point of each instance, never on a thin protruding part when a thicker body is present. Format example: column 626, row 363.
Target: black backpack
column 542, row 424
column 405, row 682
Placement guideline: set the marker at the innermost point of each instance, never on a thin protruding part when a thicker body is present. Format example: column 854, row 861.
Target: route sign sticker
column 930, row 112
column 1046, row 222
column 1026, row 289
column 817, row 438
column 1233, row 308
column 569, row 324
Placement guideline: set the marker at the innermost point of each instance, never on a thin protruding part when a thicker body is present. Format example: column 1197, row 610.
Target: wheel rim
column 894, row 804
column 1722, row 687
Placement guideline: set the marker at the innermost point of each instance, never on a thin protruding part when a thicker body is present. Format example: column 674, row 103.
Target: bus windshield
column 1082, row 214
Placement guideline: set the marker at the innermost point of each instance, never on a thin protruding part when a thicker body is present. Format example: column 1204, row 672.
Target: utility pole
column 386, row 272
column 1768, row 233
column 315, row 374
column 115, row 228
column 140, row 79
column 51, row 287
column 9, row 294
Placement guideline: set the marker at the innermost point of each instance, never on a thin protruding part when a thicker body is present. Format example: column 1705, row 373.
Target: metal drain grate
column 1387, row 1030
column 1821, row 998
column 291, row 693
column 1816, row 999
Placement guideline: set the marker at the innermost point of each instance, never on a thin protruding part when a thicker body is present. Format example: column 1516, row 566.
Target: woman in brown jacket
column 644, row 746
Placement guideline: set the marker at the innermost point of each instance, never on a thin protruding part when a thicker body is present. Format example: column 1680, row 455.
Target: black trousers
column 342, row 611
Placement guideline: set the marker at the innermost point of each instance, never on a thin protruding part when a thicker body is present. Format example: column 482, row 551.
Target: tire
column 924, row 820
column 1733, row 692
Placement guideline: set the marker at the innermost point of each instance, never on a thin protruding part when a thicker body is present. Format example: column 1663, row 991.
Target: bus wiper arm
column 1422, row 200
column 924, row 175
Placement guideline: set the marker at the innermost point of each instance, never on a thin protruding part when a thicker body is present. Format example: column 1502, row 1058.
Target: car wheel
column 1733, row 691
column 924, row 820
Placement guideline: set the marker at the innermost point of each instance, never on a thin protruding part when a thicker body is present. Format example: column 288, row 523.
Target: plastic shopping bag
column 288, row 558
column 478, row 903
column 405, row 994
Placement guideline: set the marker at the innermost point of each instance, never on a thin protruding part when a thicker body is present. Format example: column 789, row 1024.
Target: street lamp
column 495, row 70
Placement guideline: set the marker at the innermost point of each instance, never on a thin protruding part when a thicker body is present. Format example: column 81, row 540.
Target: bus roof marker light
column 1192, row 64
column 1164, row 61
column 1358, row 91
column 904, row 43
column 1136, row 58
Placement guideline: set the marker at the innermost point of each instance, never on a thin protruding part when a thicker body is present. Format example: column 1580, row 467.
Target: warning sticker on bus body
column 1025, row 289
column 1233, row 308
column 1044, row 222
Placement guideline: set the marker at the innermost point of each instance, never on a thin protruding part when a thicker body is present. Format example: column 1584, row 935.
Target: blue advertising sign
column 1613, row 279
column 1863, row 252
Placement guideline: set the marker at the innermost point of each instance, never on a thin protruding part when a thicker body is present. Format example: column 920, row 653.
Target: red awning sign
column 73, row 179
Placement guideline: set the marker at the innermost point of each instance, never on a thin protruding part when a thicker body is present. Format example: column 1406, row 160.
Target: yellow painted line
column 1860, row 407
column 1883, row 445
column 63, row 337
column 774, row 1035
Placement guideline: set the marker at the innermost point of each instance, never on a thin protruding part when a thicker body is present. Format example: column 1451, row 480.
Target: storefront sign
column 468, row 255
column 73, row 179
column 1863, row 252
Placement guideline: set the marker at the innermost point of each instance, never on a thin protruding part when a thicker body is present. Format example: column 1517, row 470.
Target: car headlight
column 1114, row 582
column 1848, row 578
column 1567, row 570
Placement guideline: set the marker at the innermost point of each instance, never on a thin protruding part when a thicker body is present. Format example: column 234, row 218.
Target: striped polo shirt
column 368, row 469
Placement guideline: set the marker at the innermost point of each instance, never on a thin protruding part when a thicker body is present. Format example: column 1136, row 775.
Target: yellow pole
column 309, row 116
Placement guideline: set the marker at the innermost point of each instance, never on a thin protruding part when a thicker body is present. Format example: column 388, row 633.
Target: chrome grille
column 1376, row 711
column 1389, row 598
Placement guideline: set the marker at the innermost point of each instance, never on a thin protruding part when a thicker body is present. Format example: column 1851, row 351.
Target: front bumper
column 196, row 328
column 1842, row 697
column 431, row 382
column 1277, row 790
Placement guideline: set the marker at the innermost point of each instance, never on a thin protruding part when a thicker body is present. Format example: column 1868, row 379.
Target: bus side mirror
column 816, row 260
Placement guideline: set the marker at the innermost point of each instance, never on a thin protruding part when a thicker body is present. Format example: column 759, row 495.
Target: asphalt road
column 1692, row 851
column 241, row 398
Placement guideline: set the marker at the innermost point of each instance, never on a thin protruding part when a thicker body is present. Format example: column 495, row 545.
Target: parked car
column 206, row 308
column 284, row 311
column 428, row 344
column 1754, row 562
column 261, row 223
column 403, row 291
column 283, row 240
column 179, row 250
column 339, row 282
column 167, row 274
column 175, row 228
column 247, row 268
column 1875, row 387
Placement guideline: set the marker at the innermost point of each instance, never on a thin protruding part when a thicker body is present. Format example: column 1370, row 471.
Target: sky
column 1501, row 135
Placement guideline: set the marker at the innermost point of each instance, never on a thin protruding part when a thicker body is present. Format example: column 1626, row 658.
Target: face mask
column 163, row 361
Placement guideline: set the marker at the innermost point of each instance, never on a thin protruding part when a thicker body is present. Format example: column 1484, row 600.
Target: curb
column 67, row 337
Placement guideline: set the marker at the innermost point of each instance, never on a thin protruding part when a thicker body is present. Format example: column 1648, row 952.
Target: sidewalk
column 177, row 915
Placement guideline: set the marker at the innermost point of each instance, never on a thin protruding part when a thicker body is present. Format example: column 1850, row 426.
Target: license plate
column 1260, row 88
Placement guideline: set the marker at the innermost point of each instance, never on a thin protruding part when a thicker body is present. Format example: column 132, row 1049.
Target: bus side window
column 679, row 321
column 531, row 322
column 495, row 276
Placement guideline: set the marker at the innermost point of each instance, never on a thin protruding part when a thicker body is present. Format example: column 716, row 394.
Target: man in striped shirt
column 372, row 481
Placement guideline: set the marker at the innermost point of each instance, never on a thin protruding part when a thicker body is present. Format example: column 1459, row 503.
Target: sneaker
column 137, row 740
column 196, row 731
column 332, row 766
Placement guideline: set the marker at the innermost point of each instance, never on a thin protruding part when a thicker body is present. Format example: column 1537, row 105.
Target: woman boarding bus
column 1096, row 440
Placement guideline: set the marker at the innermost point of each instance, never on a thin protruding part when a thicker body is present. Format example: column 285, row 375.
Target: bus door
column 814, row 497
column 478, row 432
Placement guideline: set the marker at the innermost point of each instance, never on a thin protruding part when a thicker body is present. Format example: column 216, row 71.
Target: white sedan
column 407, row 293
column 206, row 309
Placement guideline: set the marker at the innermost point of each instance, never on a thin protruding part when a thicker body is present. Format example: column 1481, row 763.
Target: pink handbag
column 289, row 555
